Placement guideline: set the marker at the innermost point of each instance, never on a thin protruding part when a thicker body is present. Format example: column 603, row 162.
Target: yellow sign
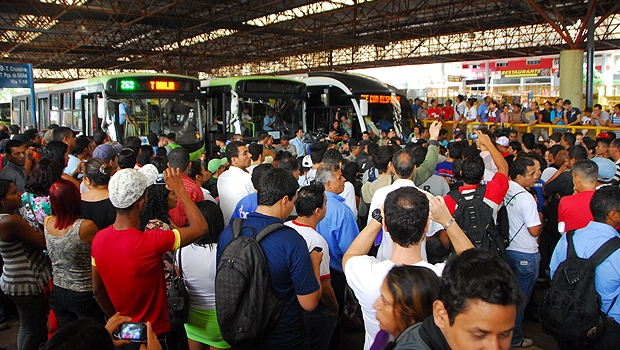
column 522, row 72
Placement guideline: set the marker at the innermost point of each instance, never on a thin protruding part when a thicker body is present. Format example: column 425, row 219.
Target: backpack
column 503, row 224
column 178, row 298
column 246, row 305
column 475, row 218
column 571, row 308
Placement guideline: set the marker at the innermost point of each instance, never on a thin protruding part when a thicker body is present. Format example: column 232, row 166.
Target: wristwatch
column 376, row 214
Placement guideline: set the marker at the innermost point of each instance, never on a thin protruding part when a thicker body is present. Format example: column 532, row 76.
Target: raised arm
column 427, row 168
column 197, row 224
column 363, row 242
column 441, row 214
column 500, row 162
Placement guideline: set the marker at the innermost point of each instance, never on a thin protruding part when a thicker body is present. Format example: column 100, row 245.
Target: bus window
column 44, row 113
column 66, row 100
column 55, row 102
column 77, row 101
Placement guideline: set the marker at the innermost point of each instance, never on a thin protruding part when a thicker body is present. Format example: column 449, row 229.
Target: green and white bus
column 227, row 98
column 159, row 103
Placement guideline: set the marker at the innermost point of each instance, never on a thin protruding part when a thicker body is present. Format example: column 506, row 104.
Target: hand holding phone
column 132, row 331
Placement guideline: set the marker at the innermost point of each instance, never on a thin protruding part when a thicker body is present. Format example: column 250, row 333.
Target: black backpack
column 246, row 305
column 503, row 224
column 571, row 308
column 475, row 218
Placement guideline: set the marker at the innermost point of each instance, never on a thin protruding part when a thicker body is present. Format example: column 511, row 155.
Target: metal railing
column 521, row 127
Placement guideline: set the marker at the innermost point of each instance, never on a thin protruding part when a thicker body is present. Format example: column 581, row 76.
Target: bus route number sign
column 150, row 85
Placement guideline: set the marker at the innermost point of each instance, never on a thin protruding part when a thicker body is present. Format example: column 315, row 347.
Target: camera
column 473, row 135
column 132, row 331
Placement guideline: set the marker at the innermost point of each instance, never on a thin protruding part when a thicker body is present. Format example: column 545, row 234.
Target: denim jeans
column 69, row 305
column 32, row 321
column 525, row 268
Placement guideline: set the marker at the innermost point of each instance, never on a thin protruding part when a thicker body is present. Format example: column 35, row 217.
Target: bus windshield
column 271, row 114
column 180, row 115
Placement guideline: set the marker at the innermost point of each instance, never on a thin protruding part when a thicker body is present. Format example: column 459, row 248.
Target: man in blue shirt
column 293, row 271
column 605, row 207
column 123, row 116
column 338, row 227
column 269, row 122
column 299, row 143
column 482, row 109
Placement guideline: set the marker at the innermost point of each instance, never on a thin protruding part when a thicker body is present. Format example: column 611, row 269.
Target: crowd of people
column 552, row 112
column 92, row 232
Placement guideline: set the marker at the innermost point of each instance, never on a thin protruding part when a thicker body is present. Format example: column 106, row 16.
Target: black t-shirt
column 571, row 115
column 562, row 186
column 546, row 116
column 102, row 212
column 211, row 186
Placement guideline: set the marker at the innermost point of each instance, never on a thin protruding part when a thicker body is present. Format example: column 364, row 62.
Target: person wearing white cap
column 127, row 264
column 502, row 145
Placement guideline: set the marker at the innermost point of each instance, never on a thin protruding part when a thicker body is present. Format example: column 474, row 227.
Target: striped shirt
column 25, row 270
column 177, row 214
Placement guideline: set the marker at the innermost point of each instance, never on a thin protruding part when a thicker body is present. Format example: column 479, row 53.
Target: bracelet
column 448, row 223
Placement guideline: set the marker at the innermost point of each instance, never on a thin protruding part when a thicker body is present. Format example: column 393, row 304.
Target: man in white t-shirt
column 522, row 251
column 236, row 182
column 406, row 212
column 403, row 166
column 311, row 208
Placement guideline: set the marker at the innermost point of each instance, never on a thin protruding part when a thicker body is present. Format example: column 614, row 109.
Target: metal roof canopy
column 77, row 38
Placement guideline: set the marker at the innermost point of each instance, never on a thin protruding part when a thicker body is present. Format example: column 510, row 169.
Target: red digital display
column 162, row 85
column 379, row 99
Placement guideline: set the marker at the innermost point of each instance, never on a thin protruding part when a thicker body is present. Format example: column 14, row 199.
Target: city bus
column 364, row 100
column 159, row 103
column 227, row 98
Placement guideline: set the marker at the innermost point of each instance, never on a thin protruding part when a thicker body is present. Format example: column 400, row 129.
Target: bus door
column 217, row 112
column 90, row 113
column 23, row 113
column 43, row 109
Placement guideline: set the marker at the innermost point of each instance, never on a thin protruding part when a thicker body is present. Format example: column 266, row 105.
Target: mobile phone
column 473, row 136
column 132, row 331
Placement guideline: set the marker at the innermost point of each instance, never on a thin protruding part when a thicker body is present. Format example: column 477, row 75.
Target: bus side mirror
column 364, row 107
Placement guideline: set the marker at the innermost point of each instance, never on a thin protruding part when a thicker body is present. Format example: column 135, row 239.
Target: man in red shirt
column 448, row 111
column 179, row 158
column 473, row 174
column 127, row 264
column 434, row 112
column 574, row 210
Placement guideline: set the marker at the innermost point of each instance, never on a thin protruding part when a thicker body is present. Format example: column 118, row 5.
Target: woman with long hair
column 68, row 239
column 407, row 297
column 96, row 205
column 58, row 152
column 36, row 201
column 25, row 271
column 159, row 201
column 146, row 153
column 198, row 266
